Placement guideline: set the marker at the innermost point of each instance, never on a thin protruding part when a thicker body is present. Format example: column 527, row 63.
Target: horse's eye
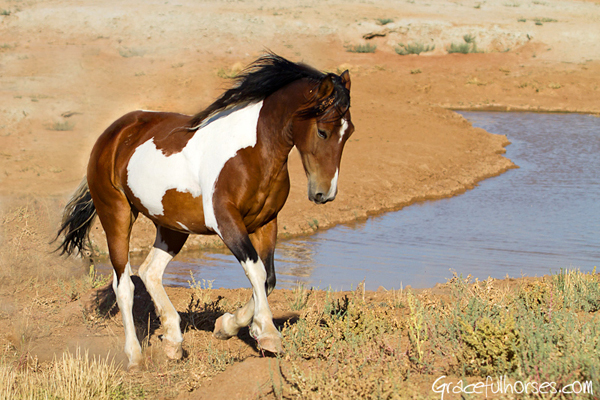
column 322, row 134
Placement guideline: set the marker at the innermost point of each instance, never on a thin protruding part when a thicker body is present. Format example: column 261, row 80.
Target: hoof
column 172, row 349
column 219, row 332
column 133, row 367
column 270, row 343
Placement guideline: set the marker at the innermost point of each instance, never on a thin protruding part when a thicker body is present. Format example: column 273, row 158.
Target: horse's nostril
column 319, row 197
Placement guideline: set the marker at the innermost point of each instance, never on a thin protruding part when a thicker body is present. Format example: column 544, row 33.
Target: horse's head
column 325, row 128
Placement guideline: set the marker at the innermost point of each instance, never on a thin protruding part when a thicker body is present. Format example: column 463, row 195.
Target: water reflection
column 529, row 221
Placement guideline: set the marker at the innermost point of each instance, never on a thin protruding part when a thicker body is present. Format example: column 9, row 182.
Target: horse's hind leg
column 117, row 218
column 168, row 243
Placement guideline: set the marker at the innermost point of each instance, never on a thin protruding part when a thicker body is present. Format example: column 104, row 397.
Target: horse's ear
column 346, row 79
column 326, row 88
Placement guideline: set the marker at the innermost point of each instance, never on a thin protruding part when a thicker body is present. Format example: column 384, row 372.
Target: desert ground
column 68, row 69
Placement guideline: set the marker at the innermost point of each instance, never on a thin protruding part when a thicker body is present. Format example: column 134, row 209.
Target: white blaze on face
column 333, row 186
column 197, row 167
column 343, row 128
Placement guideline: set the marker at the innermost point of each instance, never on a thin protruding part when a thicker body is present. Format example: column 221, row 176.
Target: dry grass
column 73, row 377
column 27, row 227
column 359, row 344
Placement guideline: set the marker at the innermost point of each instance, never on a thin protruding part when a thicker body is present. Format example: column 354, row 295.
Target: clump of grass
column 384, row 21
column 413, row 48
column 74, row 376
column 230, row 73
column 128, row 52
column 489, row 348
column 201, row 289
column 299, row 298
column 93, row 280
column 540, row 21
column 353, row 345
column 4, row 12
column 415, row 71
column 417, row 332
column 361, row 48
column 578, row 291
column 61, row 126
column 469, row 46
column 222, row 73
column 554, row 85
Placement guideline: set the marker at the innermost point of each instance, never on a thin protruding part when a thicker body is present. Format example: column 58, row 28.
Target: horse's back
column 118, row 142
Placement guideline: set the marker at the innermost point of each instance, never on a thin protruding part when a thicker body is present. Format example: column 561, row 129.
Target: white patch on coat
column 197, row 167
column 182, row 226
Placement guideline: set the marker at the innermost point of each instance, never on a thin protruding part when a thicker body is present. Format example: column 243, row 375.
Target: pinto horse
column 223, row 171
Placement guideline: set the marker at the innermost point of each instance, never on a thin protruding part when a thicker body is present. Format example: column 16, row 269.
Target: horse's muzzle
column 319, row 198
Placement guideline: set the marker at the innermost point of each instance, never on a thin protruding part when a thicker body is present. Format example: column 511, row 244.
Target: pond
column 529, row 221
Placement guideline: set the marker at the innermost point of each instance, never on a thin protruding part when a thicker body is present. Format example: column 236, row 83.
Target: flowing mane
column 267, row 75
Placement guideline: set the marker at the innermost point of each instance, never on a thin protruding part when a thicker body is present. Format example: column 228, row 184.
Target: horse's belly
column 182, row 212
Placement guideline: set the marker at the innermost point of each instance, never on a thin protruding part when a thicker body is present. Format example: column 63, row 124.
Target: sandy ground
column 70, row 68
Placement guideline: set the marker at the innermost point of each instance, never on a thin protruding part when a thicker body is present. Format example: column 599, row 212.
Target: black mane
column 267, row 75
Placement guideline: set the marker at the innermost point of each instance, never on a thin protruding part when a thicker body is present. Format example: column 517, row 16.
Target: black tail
column 77, row 221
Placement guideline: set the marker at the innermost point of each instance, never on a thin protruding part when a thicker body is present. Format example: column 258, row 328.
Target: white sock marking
column 152, row 276
column 124, row 293
column 256, row 273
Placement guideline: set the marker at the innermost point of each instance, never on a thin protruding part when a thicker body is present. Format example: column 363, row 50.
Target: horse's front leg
column 256, row 255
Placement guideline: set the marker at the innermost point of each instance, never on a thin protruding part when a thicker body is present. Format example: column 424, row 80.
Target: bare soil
column 70, row 68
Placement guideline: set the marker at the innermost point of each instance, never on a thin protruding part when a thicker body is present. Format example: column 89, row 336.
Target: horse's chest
column 265, row 205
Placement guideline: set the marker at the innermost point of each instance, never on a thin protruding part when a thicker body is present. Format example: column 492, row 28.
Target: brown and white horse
column 222, row 171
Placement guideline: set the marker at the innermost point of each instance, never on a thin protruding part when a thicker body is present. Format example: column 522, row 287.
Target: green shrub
column 490, row 346
column 362, row 48
column 469, row 46
column 384, row 21
column 413, row 48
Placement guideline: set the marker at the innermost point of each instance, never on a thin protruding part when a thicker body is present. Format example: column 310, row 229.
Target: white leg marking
column 197, row 167
column 124, row 292
column 152, row 273
column 231, row 323
column 263, row 318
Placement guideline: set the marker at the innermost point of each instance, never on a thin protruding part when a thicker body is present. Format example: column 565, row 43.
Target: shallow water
column 529, row 221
